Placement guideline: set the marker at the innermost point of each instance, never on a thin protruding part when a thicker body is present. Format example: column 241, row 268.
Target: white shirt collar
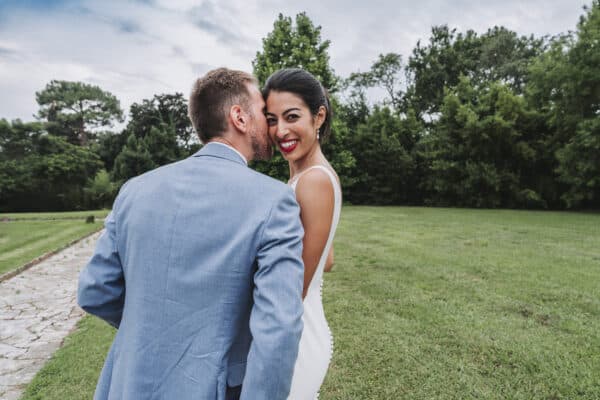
column 226, row 145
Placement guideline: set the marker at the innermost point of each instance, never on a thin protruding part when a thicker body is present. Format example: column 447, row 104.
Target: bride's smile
column 292, row 126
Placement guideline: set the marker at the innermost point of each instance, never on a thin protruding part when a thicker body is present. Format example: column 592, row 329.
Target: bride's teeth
column 287, row 145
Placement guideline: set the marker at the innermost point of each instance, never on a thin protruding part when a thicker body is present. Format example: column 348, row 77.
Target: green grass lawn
column 54, row 215
column 436, row 304
column 23, row 240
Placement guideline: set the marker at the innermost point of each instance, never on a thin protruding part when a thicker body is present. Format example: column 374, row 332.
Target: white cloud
column 136, row 49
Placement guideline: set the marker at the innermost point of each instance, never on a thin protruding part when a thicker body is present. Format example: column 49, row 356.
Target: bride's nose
column 281, row 131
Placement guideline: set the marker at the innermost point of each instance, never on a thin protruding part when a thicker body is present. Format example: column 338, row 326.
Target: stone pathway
column 38, row 308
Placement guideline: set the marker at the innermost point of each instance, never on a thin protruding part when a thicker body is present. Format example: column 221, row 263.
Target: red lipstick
column 288, row 146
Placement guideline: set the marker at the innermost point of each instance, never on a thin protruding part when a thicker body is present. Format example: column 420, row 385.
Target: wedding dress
column 316, row 344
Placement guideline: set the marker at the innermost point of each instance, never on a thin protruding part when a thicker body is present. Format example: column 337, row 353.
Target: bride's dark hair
column 303, row 84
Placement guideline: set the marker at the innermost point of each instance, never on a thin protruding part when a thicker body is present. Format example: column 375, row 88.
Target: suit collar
column 220, row 151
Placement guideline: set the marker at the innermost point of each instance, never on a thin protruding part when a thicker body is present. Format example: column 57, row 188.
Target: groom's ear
column 238, row 117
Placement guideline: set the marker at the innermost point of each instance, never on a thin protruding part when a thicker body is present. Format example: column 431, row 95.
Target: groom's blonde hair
column 213, row 95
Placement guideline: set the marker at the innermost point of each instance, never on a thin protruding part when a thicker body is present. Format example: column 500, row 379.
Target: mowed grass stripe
column 54, row 215
column 38, row 239
column 23, row 241
column 438, row 304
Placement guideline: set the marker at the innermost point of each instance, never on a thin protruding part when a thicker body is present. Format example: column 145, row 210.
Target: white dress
column 316, row 344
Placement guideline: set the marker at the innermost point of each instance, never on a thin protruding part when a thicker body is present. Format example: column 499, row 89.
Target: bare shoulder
column 315, row 184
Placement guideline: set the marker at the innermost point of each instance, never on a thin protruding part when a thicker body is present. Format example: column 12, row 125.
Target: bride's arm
column 316, row 199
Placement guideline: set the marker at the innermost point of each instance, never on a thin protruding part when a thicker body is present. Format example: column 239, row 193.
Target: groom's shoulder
column 162, row 172
column 153, row 178
column 265, row 182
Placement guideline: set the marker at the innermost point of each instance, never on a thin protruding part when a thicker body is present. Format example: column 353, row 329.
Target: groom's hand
column 276, row 317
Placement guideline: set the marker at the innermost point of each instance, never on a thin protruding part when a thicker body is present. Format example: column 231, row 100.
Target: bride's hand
column 329, row 262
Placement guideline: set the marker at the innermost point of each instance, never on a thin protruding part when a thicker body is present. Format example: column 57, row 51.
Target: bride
column 299, row 117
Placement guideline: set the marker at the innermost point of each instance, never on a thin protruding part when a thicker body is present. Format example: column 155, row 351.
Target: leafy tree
column 573, row 109
column 580, row 165
column 354, row 110
column 168, row 113
column 64, row 168
column 74, row 109
column 385, row 73
column 17, row 143
column 337, row 151
column 161, row 143
column 384, row 167
column 108, row 147
column 158, row 132
column 551, row 92
column 43, row 172
column 16, row 182
column 299, row 45
column 480, row 149
column 100, row 190
column 505, row 57
column 17, row 138
column 133, row 160
column 497, row 55
column 433, row 67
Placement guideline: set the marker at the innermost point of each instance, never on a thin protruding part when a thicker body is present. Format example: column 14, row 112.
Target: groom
column 200, row 265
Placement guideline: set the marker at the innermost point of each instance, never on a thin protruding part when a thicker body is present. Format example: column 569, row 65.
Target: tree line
column 470, row 119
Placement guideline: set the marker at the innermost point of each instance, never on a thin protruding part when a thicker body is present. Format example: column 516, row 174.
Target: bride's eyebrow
column 290, row 110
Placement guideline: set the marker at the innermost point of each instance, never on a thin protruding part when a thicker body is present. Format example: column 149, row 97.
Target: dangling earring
column 318, row 136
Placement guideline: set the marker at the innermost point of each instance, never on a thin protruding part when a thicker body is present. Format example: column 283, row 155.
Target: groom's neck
column 235, row 144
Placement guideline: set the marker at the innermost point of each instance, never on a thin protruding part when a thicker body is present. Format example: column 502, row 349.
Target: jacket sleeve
column 101, row 283
column 276, row 316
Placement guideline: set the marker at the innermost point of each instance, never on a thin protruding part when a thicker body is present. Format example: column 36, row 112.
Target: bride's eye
column 271, row 121
column 292, row 117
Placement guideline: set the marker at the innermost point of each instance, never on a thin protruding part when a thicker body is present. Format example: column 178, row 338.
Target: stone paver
column 38, row 308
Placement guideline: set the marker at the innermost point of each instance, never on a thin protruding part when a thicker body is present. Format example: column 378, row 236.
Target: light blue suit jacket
column 200, row 270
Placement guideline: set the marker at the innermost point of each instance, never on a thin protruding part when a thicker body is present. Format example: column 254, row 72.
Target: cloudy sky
column 136, row 49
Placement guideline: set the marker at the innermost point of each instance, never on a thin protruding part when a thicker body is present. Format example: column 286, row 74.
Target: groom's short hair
column 213, row 95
